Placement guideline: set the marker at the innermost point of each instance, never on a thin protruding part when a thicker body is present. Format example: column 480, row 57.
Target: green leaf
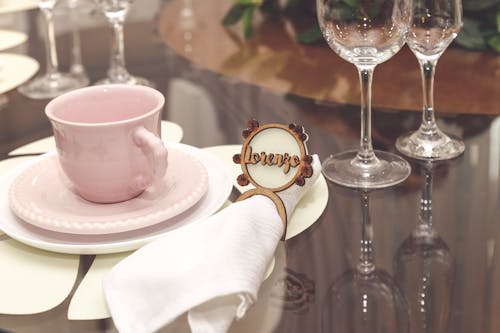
column 494, row 42
column 310, row 36
column 488, row 32
column 351, row 3
column 477, row 5
column 498, row 21
column 247, row 21
column 375, row 7
column 250, row 2
column 470, row 36
column 269, row 6
column 340, row 12
column 292, row 4
column 234, row 14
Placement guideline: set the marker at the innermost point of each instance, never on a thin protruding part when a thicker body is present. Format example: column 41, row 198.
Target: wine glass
column 76, row 67
column 365, row 33
column 365, row 299
column 115, row 12
column 424, row 268
column 53, row 83
column 435, row 24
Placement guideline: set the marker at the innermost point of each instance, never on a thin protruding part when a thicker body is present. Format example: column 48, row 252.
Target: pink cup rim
column 49, row 109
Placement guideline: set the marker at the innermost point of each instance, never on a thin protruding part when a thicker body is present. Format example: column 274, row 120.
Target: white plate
column 219, row 188
column 10, row 38
column 15, row 69
column 8, row 6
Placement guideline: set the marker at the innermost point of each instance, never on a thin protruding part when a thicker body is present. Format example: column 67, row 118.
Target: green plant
column 481, row 29
column 244, row 10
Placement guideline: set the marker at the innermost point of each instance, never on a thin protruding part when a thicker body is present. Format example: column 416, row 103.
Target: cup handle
column 155, row 152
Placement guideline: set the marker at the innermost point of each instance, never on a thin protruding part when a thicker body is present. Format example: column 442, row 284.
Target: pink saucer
column 40, row 195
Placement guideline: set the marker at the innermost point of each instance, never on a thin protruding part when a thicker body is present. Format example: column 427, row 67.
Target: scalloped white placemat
column 307, row 211
column 36, row 147
column 88, row 302
column 170, row 132
column 11, row 38
column 32, row 280
column 15, row 69
column 9, row 164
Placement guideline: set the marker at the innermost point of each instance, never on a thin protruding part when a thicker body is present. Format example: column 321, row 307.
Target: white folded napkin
column 212, row 269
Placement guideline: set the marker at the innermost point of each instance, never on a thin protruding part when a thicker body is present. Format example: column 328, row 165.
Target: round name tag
column 273, row 158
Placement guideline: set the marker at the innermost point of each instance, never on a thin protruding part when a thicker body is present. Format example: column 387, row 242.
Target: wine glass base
column 422, row 146
column 78, row 72
column 132, row 80
column 344, row 169
column 50, row 86
column 83, row 79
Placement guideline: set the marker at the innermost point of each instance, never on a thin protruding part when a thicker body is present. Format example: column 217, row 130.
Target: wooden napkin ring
column 273, row 158
column 275, row 198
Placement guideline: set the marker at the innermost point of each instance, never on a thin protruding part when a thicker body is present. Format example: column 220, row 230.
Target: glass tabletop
column 215, row 81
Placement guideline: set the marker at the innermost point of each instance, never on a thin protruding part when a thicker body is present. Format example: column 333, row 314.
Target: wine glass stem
column 366, row 264
column 76, row 51
column 117, row 71
column 365, row 153
column 50, row 44
column 427, row 69
column 425, row 216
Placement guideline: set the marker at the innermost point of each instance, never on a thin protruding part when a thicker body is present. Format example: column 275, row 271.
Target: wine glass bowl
column 365, row 303
column 365, row 299
column 430, row 42
column 435, row 24
column 365, row 33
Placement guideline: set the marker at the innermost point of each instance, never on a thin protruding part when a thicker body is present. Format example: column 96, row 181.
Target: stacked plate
column 39, row 207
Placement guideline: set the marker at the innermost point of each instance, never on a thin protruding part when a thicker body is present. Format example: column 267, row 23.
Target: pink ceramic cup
column 108, row 140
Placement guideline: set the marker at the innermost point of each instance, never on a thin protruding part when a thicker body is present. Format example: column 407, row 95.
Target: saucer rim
column 110, row 225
